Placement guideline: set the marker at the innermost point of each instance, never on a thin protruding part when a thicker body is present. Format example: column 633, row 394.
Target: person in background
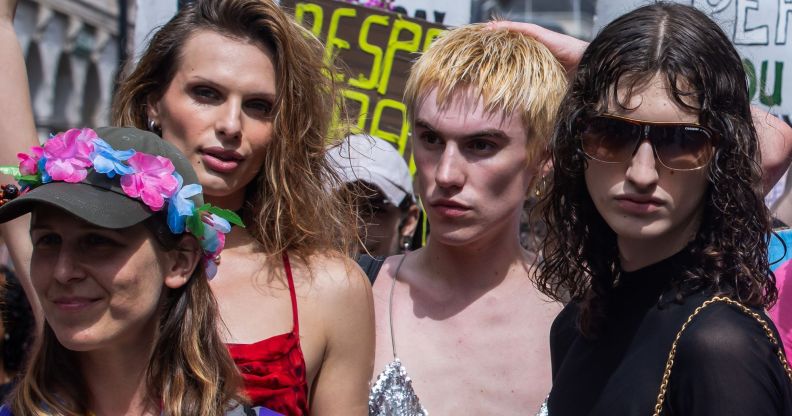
column 378, row 183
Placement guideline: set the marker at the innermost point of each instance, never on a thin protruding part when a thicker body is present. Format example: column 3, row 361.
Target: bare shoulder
column 330, row 277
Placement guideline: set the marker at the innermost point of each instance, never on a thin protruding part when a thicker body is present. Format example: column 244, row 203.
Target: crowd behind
column 221, row 252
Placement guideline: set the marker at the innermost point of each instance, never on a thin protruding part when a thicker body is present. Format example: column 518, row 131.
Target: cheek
column 182, row 122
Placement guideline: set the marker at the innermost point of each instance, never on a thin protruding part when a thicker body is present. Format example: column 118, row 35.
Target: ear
column 410, row 222
column 183, row 261
column 152, row 108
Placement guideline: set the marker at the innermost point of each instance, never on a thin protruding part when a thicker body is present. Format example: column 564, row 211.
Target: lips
column 638, row 204
column 221, row 160
column 73, row 303
column 449, row 208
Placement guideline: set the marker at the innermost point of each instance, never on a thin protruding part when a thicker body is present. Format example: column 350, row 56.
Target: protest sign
column 760, row 30
column 444, row 12
column 376, row 49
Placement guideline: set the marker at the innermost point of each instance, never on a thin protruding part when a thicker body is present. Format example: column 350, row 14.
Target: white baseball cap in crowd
column 372, row 160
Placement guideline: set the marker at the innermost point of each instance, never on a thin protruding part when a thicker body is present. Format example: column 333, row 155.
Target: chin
column 78, row 341
column 455, row 236
column 638, row 231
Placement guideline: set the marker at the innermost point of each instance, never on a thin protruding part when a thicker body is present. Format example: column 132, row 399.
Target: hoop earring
column 153, row 127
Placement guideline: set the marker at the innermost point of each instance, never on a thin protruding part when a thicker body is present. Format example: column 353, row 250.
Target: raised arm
column 775, row 136
column 17, row 134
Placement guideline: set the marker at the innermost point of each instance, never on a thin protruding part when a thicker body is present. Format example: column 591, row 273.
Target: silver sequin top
column 392, row 393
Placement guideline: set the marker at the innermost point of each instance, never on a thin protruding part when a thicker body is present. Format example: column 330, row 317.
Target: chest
column 491, row 355
column 596, row 376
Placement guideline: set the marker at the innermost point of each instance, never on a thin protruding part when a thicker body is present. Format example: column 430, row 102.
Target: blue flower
column 180, row 207
column 109, row 161
column 45, row 177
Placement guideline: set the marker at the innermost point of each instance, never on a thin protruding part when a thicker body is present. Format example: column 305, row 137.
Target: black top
column 725, row 363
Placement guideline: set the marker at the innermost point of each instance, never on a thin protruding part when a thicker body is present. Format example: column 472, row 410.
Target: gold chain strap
column 672, row 354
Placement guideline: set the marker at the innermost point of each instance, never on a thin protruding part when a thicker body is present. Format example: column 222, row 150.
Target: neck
column 116, row 380
column 232, row 201
column 479, row 265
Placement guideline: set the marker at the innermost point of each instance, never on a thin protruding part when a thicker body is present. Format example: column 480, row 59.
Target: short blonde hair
column 511, row 72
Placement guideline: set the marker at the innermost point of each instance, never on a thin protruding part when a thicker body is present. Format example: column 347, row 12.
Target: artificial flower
column 152, row 180
column 215, row 229
column 68, row 155
column 29, row 164
column 180, row 207
column 109, row 161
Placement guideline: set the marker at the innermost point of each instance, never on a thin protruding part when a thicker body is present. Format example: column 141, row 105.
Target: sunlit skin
column 653, row 210
column 465, row 161
column 466, row 318
column 99, row 287
column 101, row 290
column 219, row 112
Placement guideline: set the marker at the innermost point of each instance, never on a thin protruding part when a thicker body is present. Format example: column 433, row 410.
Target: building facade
column 72, row 53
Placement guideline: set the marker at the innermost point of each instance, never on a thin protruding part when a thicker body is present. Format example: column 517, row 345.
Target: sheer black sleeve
column 727, row 366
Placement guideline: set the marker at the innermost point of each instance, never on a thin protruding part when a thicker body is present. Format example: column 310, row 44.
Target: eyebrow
column 498, row 133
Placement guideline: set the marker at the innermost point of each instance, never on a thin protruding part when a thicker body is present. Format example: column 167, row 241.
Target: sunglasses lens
column 681, row 147
column 609, row 140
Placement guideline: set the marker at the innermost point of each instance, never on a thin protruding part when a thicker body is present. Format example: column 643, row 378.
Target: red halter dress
column 274, row 369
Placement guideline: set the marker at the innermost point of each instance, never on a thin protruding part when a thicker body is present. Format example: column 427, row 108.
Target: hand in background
column 565, row 48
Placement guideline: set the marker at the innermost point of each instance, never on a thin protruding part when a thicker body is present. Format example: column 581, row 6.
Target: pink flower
column 153, row 180
column 68, row 155
column 28, row 164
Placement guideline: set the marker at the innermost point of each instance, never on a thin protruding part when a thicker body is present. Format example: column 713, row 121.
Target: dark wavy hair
column 705, row 74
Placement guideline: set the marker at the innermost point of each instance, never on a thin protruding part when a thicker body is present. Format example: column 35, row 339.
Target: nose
column 67, row 267
column 450, row 172
column 642, row 170
column 229, row 120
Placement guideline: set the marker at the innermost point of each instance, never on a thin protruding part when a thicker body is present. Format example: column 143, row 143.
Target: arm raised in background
column 775, row 136
column 17, row 134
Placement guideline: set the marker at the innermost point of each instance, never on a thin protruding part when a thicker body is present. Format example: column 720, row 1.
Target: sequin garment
column 392, row 393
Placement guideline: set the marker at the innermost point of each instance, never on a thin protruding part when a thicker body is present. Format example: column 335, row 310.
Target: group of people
column 198, row 259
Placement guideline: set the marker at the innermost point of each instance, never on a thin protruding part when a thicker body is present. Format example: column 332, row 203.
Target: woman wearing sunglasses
column 657, row 230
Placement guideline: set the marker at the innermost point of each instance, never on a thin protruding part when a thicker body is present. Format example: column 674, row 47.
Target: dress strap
column 390, row 305
column 292, row 293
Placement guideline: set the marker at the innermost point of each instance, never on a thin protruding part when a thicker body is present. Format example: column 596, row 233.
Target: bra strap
column 292, row 293
column 390, row 305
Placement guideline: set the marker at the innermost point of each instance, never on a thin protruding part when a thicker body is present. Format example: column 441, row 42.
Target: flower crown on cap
column 69, row 157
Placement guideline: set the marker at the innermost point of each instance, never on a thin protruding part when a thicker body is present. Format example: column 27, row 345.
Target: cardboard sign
column 760, row 30
column 376, row 49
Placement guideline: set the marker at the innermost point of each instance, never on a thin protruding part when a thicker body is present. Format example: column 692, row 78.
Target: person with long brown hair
column 131, row 325
column 241, row 89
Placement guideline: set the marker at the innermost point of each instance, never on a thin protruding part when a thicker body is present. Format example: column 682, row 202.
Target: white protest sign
column 761, row 30
column 444, row 12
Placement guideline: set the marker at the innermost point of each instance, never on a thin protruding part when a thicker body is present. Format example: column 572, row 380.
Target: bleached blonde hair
column 513, row 74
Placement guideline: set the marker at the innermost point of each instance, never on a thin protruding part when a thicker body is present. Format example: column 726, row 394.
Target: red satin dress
column 274, row 369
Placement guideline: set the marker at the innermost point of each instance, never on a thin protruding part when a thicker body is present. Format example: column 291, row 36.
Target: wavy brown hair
column 290, row 203
column 705, row 74
column 190, row 372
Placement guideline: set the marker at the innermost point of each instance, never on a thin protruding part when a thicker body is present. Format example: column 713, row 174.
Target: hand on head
column 565, row 48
